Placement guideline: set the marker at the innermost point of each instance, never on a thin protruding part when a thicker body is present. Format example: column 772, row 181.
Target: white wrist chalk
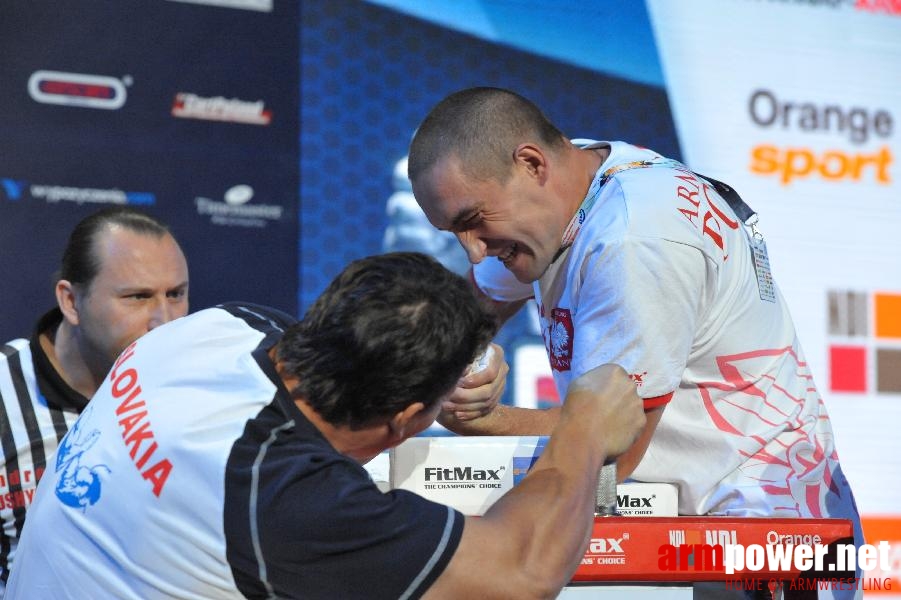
column 481, row 362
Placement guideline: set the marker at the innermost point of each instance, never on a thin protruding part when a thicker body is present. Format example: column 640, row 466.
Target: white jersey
column 660, row 280
column 193, row 475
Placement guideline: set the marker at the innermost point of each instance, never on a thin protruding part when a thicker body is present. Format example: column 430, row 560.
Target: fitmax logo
column 628, row 501
column 606, row 545
column 462, row 474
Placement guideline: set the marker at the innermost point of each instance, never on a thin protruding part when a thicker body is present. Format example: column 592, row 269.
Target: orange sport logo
column 857, row 124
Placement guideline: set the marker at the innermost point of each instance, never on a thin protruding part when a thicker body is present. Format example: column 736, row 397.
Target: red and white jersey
column 660, row 279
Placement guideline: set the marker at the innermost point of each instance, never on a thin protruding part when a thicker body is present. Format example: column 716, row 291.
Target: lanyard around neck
column 742, row 210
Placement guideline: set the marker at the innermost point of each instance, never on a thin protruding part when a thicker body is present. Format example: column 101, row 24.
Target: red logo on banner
column 77, row 89
column 560, row 339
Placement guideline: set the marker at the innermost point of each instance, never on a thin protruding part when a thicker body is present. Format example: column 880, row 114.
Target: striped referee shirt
column 36, row 411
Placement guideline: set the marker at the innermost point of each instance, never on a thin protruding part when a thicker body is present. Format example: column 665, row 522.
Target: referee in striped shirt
column 122, row 274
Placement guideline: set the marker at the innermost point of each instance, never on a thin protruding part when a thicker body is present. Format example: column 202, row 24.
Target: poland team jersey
column 660, row 280
column 192, row 474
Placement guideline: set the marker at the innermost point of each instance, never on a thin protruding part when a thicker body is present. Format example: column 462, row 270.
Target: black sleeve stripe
column 59, row 424
column 35, row 439
column 440, row 549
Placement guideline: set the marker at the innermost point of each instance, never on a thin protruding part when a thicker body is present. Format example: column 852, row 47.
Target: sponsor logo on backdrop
column 860, row 135
column 17, row 189
column 235, row 209
column 889, row 7
column 260, row 5
column 864, row 341
column 219, row 108
column 78, row 89
column 13, row 188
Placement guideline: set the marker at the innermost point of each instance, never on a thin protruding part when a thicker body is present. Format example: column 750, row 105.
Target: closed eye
column 465, row 224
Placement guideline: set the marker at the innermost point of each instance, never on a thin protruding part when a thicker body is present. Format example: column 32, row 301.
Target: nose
column 476, row 249
column 160, row 313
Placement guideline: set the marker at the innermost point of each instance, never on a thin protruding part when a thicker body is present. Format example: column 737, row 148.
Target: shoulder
column 258, row 316
column 13, row 348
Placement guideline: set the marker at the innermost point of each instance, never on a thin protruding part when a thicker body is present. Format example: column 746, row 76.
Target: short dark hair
column 80, row 263
column 482, row 127
column 388, row 331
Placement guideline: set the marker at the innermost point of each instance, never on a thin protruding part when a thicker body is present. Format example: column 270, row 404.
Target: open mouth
column 508, row 254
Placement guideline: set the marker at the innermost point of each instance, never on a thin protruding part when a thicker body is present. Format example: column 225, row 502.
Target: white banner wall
column 798, row 106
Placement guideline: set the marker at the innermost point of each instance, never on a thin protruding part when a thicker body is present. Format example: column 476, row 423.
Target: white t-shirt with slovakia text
column 192, row 474
column 660, row 280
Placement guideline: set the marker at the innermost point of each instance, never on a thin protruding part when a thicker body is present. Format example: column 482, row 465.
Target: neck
column 361, row 444
column 595, row 158
column 585, row 165
column 61, row 348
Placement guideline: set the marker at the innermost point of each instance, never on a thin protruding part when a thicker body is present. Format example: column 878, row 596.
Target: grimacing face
column 142, row 283
column 515, row 221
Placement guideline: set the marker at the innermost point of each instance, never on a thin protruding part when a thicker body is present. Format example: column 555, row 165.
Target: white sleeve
column 498, row 283
column 639, row 305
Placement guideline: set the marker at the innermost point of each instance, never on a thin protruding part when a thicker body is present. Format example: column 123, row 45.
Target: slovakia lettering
column 135, row 423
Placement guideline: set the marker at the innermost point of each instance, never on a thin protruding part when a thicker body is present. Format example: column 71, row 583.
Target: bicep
column 639, row 306
column 484, row 552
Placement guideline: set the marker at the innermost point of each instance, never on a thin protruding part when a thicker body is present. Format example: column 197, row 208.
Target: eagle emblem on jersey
column 559, row 339
column 78, row 485
column 782, row 447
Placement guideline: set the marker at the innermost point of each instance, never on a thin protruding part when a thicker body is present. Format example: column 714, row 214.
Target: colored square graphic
column 848, row 313
column 848, row 368
column 887, row 308
column 888, row 370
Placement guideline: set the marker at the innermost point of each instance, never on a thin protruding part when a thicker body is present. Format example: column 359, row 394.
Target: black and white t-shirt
column 36, row 410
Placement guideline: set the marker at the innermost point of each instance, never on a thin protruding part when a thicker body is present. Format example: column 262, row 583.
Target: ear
column 533, row 159
column 66, row 298
column 402, row 426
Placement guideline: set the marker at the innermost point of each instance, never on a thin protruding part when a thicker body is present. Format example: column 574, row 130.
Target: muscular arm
column 530, row 542
column 514, row 420
column 503, row 309
column 473, row 409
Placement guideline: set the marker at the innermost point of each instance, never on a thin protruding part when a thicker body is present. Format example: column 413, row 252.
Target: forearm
column 561, row 487
column 628, row 460
column 508, row 420
column 529, row 543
